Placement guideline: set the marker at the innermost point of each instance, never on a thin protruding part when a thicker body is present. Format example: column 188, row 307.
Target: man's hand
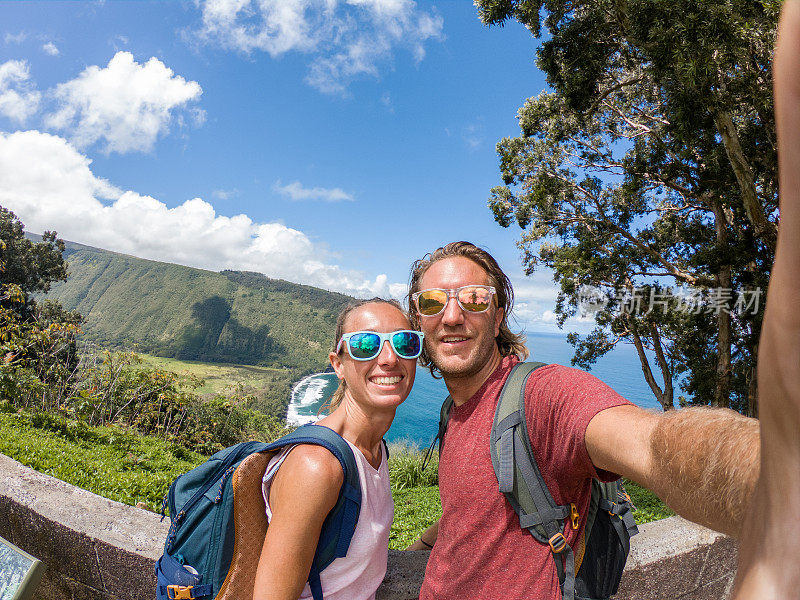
column 770, row 545
column 427, row 539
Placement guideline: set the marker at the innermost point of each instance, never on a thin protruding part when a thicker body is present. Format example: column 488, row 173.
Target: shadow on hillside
column 215, row 336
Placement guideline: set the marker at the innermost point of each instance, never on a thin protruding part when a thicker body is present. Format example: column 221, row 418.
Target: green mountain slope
column 181, row 312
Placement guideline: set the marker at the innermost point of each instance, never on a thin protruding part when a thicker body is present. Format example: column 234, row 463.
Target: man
column 702, row 462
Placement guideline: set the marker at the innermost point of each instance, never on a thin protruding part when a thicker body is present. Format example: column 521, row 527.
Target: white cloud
column 16, row 38
column 50, row 186
column 18, row 98
column 51, row 49
column 345, row 38
column 472, row 135
column 535, row 301
column 386, row 100
column 549, row 317
column 273, row 26
column 296, row 191
column 125, row 105
column 225, row 194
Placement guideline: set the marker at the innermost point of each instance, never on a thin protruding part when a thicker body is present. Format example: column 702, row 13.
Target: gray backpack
column 593, row 569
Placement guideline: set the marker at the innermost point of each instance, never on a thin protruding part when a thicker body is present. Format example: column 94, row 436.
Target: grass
column 405, row 467
column 415, row 509
column 219, row 378
column 129, row 468
column 649, row 507
column 108, row 461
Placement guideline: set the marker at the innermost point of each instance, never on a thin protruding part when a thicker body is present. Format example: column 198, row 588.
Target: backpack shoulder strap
column 520, row 479
column 444, row 418
column 340, row 524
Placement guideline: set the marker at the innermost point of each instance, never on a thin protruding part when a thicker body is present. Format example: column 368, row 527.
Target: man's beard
column 470, row 368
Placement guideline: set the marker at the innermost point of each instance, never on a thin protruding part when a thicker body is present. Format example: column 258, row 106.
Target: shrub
column 405, row 467
column 38, row 356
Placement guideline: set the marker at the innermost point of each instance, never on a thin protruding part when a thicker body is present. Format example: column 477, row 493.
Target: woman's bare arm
column 303, row 492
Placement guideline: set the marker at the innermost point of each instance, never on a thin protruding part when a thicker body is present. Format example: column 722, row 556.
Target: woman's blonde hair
column 508, row 342
column 337, row 396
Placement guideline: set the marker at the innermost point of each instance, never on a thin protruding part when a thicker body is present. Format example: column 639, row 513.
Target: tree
column 650, row 169
column 30, row 266
column 38, row 348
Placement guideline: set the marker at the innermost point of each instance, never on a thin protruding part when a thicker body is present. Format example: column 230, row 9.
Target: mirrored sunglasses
column 472, row 298
column 366, row 345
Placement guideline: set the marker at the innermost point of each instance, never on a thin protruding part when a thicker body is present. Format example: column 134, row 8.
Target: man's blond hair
column 507, row 342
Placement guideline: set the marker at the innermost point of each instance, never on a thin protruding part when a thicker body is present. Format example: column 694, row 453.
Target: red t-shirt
column 481, row 552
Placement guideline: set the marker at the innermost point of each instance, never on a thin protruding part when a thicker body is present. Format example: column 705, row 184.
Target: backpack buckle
column 557, row 543
column 180, row 592
column 574, row 515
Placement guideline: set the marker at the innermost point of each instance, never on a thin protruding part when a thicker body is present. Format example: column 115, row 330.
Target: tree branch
column 666, row 374
column 611, row 90
column 765, row 229
column 648, row 373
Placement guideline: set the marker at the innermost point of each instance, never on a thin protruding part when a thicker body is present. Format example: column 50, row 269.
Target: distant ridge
column 193, row 314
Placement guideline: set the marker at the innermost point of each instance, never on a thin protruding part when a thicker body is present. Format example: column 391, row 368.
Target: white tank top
column 357, row 575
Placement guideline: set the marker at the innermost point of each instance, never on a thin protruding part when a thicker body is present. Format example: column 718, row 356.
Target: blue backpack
column 219, row 520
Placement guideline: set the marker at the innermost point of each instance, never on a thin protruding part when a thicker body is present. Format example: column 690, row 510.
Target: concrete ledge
column 92, row 547
column 674, row 558
column 97, row 549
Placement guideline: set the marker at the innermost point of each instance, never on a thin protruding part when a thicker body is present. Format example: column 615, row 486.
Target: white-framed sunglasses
column 366, row 345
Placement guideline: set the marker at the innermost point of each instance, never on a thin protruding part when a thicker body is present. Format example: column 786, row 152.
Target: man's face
column 460, row 343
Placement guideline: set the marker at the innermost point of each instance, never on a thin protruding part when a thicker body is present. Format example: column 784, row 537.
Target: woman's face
column 386, row 380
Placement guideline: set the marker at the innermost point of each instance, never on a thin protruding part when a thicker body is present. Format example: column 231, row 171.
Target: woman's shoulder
column 312, row 467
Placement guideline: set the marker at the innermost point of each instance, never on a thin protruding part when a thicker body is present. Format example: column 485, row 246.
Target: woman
column 301, row 484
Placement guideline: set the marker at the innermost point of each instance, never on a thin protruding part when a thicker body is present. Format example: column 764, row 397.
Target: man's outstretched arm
column 769, row 567
column 703, row 462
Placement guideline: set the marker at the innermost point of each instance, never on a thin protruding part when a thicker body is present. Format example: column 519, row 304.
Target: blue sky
column 326, row 142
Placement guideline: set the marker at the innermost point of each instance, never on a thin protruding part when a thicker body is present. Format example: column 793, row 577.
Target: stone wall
column 96, row 549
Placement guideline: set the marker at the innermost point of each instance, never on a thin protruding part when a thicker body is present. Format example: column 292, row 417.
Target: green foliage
column 648, row 506
column 37, row 342
column 330, row 302
column 266, row 389
column 405, row 467
column 652, row 164
column 109, row 461
column 415, row 509
column 415, row 492
column 190, row 314
column 39, row 358
column 33, row 267
column 194, row 315
column 116, row 388
column 154, row 401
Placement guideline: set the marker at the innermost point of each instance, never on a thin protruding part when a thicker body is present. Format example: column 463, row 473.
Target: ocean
column 417, row 418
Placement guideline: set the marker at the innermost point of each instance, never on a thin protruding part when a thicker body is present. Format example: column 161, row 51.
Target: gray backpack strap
column 520, row 480
column 625, row 525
